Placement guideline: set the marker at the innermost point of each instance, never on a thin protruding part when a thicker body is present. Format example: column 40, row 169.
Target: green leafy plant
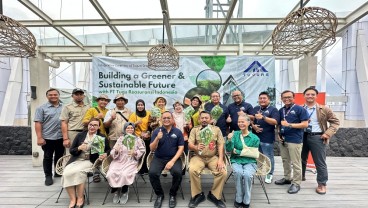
column 129, row 141
column 216, row 112
column 206, row 135
column 98, row 145
column 156, row 112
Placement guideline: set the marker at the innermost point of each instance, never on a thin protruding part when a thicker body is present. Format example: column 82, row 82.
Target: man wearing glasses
column 239, row 106
column 294, row 119
column 167, row 143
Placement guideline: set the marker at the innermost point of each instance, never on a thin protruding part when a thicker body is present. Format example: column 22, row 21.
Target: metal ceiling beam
column 224, row 27
column 106, row 18
column 166, row 19
column 354, row 16
column 295, row 8
column 154, row 22
column 49, row 21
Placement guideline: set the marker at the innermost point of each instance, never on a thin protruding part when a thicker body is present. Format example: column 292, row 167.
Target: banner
column 196, row 75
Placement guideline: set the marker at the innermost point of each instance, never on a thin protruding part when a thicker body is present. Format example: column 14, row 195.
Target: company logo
column 256, row 69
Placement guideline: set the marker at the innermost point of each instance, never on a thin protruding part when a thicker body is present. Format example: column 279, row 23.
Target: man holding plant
column 207, row 143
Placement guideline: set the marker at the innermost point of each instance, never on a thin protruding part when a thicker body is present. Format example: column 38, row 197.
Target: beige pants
column 71, row 135
column 291, row 155
column 196, row 165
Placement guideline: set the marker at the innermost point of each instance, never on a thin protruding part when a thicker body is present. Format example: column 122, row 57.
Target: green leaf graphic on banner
column 94, row 102
column 215, row 63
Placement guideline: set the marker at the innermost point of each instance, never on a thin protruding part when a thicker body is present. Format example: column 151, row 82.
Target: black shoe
column 164, row 174
column 303, row 178
column 282, row 181
column 172, row 201
column 293, row 189
column 56, row 175
column 246, row 205
column 48, row 181
column 194, row 201
column 217, row 202
column 158, row 202
column 238, row 205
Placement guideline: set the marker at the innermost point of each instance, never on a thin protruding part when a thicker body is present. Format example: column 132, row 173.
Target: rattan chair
column 183, row 159
column 59, row 169
column 206, row 170
column 105, row 167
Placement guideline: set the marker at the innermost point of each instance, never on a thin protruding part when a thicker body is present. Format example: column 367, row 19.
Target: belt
column 315, row 133
column 77, row 130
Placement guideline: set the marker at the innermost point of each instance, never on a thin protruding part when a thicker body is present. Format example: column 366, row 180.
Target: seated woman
column 126, row 154
column 243, row 146
column 83, row 156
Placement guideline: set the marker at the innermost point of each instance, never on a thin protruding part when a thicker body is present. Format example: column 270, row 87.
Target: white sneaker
column 124, row 197
column 116, row 198
column 268, row 178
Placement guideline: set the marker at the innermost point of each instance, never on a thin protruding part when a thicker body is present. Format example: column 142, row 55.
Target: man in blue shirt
column 236, row 108
column 167, row 143
column 294, row 119
column 221, row 121
column 48, row 131
column 265, row 119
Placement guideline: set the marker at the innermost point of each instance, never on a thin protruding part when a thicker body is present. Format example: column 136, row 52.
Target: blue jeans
column 243, row 181
column 267, row 149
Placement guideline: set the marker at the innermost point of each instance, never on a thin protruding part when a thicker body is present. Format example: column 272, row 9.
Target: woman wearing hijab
column 141, row 121
column 126, row 154
column 196, row 103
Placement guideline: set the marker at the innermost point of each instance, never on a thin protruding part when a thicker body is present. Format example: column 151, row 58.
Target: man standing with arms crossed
column 71, row 118
column 317, row 136
column 48, row 131
column 266, row 117
column 294, row 119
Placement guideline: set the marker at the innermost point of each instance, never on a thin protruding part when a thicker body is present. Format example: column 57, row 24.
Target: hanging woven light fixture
column 15, row 39
column 304, row 31
column 163, row 57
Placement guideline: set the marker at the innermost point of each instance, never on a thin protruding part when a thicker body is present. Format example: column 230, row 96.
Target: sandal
column 96, row 178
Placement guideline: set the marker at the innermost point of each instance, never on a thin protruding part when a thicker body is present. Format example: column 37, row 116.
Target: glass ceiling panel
column 94, row 35
column 67, row 9
column 137, row 9
column 251, row 34
column 187, row 9
column 267, row 8
column 341, row 8
column 16, row 10
column 49, row 36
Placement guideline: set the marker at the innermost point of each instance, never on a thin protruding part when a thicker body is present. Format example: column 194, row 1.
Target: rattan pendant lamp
column 163, row 57
column 15, row 39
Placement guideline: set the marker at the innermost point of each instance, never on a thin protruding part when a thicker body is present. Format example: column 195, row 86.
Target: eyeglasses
column 93, row 125
column 290, row 97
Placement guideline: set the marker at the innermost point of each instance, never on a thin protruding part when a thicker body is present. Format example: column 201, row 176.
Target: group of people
column 203, row 131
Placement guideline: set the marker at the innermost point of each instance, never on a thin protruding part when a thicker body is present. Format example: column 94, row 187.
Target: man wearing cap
column 48, row 130
column 98, row 112
column 221, row 121
column 236, row 108
column 210, row 155
column 116, row 118
column 71, row 117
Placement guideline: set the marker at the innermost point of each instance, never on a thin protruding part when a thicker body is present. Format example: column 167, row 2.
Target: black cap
column 77, row 90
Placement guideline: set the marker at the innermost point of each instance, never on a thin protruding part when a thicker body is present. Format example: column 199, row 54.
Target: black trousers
column 318, row 150
column 144, row 168
column 156, row 167
column 51, row 147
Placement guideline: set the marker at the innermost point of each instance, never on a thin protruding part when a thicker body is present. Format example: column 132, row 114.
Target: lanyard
column 310, row 114
column 287, row 113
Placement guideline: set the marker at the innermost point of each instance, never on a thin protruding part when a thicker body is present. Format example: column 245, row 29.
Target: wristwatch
column 290, row 126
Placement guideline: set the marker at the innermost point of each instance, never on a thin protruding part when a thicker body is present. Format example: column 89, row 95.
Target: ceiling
column 75, row 31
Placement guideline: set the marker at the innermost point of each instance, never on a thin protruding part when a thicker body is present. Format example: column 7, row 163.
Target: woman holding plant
column 243, row 145
column 126, row 154
column 159, row 107
column 87, row 147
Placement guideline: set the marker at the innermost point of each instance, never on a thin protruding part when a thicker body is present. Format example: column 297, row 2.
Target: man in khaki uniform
column 116, row 118
column 71, row 118
column 210, row 156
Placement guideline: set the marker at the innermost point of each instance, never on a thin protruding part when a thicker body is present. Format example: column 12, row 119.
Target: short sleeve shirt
column 48, row 115
column 73, row 114
column 169, row 144
column 293, row 114
column 268, row 133
column 211, row 149
column 233, row 111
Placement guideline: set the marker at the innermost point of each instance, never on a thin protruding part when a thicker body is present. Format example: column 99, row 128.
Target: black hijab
column 143, row 113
